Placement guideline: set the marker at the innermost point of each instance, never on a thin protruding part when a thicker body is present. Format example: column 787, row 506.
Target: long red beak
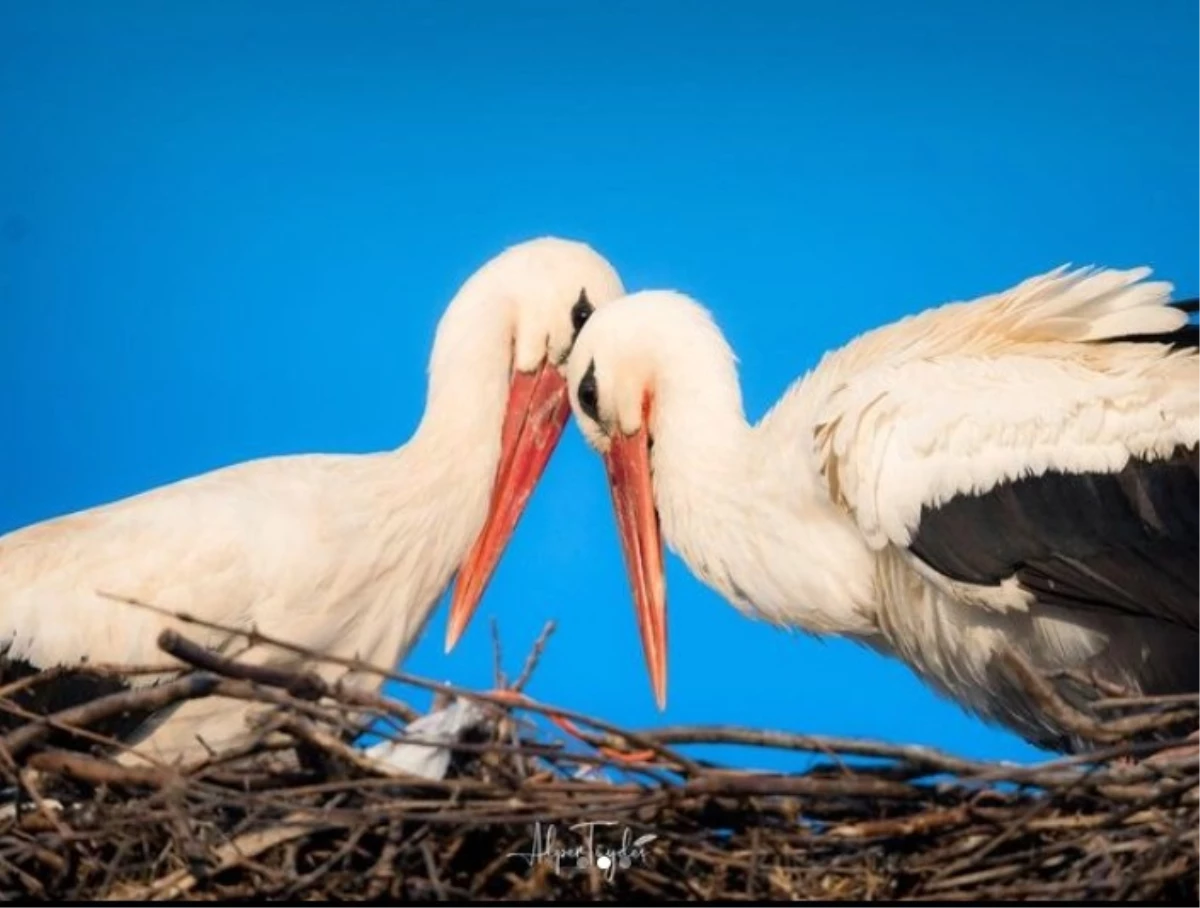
column 538, row 407
column 628, row 464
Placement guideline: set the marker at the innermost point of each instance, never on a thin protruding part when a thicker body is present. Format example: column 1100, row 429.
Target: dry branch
column 1119, row 823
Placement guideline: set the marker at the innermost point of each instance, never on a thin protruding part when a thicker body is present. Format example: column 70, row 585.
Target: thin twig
column 534, row 657
column 866, row 821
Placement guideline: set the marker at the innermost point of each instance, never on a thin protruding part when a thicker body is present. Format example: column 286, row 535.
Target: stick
column 304, row 685
column 534, row 657
column 150, row 698
column 504, row 698
column 244, row 848
column 100, row 772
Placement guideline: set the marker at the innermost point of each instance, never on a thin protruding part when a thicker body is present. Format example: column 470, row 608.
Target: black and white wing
column 1036, row 448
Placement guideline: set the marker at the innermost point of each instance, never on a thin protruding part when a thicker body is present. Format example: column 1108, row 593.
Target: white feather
column 975, row 405
column 805, row 518
column 344, row 555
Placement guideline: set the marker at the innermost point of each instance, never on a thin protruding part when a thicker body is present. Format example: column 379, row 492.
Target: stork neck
column 746, row 514
column 469, row 370
column 452, row 457
column 420, row 507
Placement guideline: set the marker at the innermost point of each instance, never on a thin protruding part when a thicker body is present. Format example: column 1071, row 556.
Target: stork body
column 1019, row 472
column 342, row 554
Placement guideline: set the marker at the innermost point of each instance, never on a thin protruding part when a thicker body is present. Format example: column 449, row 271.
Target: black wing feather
column 1125, row 541
column 58, row 691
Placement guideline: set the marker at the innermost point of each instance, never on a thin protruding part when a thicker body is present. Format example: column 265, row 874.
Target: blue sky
column 227, row 230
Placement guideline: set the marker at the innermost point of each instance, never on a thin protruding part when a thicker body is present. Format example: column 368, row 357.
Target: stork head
column 649, row 368
column 543, row 292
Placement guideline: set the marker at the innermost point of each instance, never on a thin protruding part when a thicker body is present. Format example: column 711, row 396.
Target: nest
column 575, row 809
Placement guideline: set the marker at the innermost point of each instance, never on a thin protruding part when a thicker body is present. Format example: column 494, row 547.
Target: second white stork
column 342, row 554
column 1016, row 471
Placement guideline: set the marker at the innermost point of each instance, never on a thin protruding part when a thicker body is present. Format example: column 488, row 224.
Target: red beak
column 628, row 464
column 538, row 407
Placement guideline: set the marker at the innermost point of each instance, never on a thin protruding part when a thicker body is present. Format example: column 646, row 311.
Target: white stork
column 1018, row 470
column 342, row 554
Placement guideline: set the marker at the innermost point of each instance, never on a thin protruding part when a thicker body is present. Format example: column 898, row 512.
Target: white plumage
column 343, row 554
column 969, row 395
column 1016, row 471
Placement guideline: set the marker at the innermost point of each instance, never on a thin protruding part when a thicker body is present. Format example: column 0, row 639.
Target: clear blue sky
column 227, row 230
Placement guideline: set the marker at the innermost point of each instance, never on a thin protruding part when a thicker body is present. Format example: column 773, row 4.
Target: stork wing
column 1065, row 467
column 207, row 545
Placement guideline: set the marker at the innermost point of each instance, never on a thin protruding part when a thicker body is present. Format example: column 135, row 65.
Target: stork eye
column 587, row 394
column 581, row 311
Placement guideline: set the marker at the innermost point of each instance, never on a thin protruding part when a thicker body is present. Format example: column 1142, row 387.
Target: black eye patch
column 581, row 311
column 587, row 394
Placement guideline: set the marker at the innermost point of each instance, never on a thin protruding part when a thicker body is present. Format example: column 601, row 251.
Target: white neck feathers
column 743, row 508
column 427, row 501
